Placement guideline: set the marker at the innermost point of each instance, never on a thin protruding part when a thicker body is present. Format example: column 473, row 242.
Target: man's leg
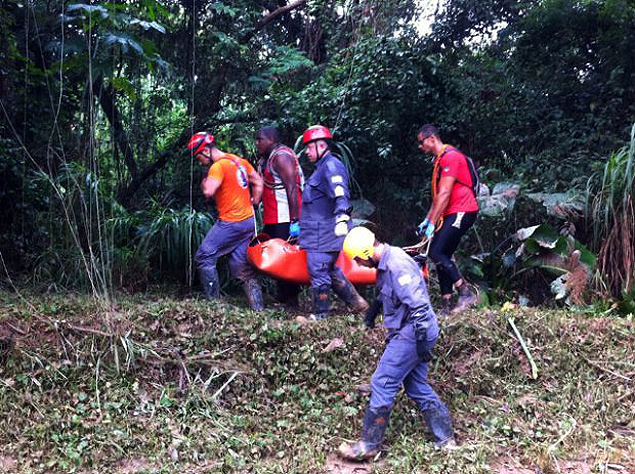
column 206, row 258
column 345, row 290
column 398, row 359
column 287, row 292
column 434, row 411
column 241, row 233
column 443, row 245
column 319, row 265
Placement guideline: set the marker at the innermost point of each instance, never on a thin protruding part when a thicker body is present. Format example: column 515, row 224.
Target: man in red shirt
column 236, row 187
column 281, row 197
column 453, row 211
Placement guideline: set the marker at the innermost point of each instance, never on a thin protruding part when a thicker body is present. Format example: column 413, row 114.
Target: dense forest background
column 98, row 99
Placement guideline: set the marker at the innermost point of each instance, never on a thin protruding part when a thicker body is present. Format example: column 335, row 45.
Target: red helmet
column 316, row 132
column 198, row 141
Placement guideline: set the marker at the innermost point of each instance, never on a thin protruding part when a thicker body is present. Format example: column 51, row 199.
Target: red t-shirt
column 452, row 163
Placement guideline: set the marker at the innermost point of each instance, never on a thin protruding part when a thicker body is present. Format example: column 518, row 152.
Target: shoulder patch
column 337, row 179
column 404, row 279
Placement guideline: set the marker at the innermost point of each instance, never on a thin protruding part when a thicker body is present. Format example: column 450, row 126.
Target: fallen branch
column 564, row 436
column 97, row 332
column 229, row 380
column 625, row 396
column 16, row 329
column 604, row 369
column 534, row 368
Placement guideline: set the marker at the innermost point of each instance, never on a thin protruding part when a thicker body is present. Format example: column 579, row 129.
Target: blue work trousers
column 400, row 364
column 322, row 269
column 228, row 237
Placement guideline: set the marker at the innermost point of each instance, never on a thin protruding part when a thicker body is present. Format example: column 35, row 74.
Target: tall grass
column 613, row 216
column 70, row 229
column 171, row 237
column 93, row 243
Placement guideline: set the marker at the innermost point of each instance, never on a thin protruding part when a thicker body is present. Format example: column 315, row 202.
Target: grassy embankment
column 160, row 385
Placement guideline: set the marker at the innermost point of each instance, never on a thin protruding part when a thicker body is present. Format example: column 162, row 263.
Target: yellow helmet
column 359, row 242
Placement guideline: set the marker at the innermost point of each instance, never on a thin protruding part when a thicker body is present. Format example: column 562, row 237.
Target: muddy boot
column 373, row 430
column 209, row 282
column 254, row 294
column 467, row 298
column 287, row 294
column 320, row 303
column 446, row 307
column 439, row 423
column 345, row 290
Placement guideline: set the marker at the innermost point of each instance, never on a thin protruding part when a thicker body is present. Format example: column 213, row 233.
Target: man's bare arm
column 285, row 165
column 209, row 187
column 442, row 198
column 255, row 183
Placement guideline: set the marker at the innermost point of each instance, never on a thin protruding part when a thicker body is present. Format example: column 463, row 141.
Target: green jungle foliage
column 98, row 100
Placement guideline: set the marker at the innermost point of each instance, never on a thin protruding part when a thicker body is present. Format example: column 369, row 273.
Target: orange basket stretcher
column 283, row 260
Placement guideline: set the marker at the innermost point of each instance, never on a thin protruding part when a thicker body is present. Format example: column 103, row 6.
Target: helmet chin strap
column 323, row 153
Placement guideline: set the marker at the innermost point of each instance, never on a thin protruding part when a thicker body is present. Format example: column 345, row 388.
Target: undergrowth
column 160, row 385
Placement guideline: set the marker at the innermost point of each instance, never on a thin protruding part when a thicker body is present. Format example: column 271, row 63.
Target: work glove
column 294, row 229
column 370, row 315
column 421, row 322
column 341, row 225
column 430, row 230
column 421, row 228
column 424, row 350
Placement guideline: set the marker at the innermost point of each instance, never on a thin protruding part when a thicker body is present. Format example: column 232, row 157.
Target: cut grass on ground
column 160, row 385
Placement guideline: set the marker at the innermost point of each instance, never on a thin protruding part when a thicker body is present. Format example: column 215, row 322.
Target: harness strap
column 268, row 166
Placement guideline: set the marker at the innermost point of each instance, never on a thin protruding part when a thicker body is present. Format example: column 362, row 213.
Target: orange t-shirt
column 233, row 198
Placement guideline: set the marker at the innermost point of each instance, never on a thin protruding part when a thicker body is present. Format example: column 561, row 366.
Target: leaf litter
column 192, row 386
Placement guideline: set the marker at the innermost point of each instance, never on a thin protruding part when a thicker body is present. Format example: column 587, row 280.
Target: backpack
column 476, row 182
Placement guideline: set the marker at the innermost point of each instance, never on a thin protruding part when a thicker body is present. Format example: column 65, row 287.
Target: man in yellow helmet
column 412, row 332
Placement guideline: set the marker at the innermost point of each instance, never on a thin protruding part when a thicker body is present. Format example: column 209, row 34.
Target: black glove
column 424, row 350
column 421, row 319
column 371, row 313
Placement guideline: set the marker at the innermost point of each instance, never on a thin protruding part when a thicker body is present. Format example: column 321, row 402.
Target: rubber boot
column 345, row 290
column 373, row 431
column 439, row 423
column 287, row 294
column 209, row 282
column 254, row 294
column 320, row 303
column 466, row 298
column 446, row 307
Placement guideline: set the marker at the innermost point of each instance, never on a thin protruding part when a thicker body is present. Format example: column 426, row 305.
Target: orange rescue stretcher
column 283, row 260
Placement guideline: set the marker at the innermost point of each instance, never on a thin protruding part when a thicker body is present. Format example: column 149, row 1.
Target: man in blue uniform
column 324, row 221
column 412, row 332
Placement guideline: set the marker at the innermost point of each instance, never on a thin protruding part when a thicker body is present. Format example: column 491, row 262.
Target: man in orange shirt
column 236, row 187
column 453, row 211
